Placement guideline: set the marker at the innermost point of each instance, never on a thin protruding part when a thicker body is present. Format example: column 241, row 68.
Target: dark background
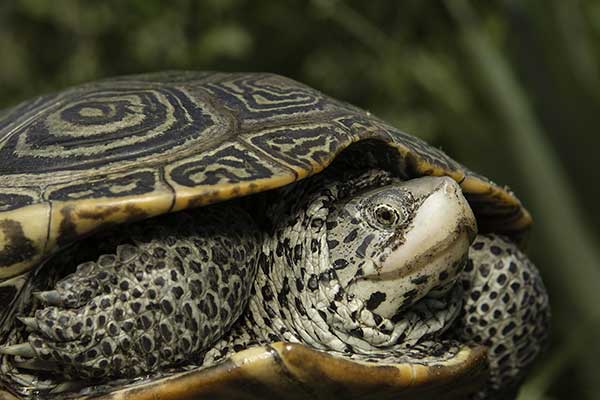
column 509, row 88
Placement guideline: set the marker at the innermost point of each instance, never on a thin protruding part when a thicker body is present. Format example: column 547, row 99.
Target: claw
column 29, row 322
column 21, row 349
column 73, row 386
column 30, row 381
column 51, row 297
column 39, row 365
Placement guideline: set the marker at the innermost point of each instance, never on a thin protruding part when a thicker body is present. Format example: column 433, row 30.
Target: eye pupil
column 386, row 216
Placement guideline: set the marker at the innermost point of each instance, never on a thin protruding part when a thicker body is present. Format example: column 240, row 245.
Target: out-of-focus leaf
column 224, row 41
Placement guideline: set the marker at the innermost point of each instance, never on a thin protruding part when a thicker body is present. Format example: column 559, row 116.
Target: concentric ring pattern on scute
column 132, row 147
column 256, row 99
column 92, row 129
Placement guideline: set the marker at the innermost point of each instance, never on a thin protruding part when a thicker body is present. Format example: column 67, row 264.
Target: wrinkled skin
column 366, row 264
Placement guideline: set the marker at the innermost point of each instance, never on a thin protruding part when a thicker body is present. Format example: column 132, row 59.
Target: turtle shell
column 125, row 149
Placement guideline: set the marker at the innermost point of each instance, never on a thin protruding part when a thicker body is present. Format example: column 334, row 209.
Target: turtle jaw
column 443, row 226
column 431, row 251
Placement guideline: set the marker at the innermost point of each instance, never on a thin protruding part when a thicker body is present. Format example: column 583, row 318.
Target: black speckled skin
column 113, row 152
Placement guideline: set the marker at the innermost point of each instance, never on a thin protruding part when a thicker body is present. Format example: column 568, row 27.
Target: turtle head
column 392, row 245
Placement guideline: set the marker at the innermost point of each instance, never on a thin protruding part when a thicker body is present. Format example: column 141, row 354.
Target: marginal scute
column 294, row 371
column 497, row 208
column 23, row 234
column 111, row 139
column 230, row 170
column 74, row 219
column 308, row 147
column 137, row 183
column 12, row 198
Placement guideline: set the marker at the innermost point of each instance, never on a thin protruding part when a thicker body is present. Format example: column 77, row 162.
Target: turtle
column 189, row 234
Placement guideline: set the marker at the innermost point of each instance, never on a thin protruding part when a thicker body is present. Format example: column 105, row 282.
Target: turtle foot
column 93, row 324
column 151, row 305
column 89, row 280
column 506, row 309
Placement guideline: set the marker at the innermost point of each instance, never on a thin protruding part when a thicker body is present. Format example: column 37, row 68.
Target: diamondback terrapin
column 187, row 235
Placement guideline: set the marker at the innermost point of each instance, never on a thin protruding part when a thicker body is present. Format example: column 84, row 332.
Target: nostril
column 448, row 185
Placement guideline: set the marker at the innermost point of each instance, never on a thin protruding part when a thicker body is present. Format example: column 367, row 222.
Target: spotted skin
column 498, row 300
column 173, row 291
column 506, row 309
column 127, row 149
column 308, row 293
column 156, row 302
column 169, row 141
column 299, row 298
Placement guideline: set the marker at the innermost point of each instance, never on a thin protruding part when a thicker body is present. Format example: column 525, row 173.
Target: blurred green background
column 510, row 88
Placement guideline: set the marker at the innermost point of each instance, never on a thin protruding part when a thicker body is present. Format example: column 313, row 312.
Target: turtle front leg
column 506, row 309
column 156, row 303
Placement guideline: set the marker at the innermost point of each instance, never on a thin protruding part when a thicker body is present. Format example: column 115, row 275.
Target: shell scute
column 190, row 139
column 23, row 238
column 130, row 148
column 294, row 371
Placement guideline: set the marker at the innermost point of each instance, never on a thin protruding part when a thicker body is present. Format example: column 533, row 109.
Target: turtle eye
column 387, row 216
column 384, row 209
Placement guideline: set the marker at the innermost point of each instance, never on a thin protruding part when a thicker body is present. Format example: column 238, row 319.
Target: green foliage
column 409, row 62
